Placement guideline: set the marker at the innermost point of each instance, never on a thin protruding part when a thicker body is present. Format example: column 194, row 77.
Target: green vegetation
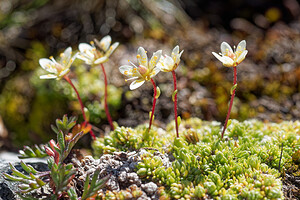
column 244, row 165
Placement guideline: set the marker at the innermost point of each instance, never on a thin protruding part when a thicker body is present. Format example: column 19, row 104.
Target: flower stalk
column 175, row 102
column 86, row 122
column 105, row 99
column 154, row 102
column 231, row 100
column 231, row 58
column 170, row 64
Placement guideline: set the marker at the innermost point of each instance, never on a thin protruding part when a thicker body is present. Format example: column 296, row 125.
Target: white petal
column 48, row 76
column 142, row 57
column 112, row 49
column 135, row 84
column 48, row 65
column 87, row 60
column 168, row 64
column 66, row 55
column 85, row 47
column 105, row 43
column 175, row 50
column 154, row 60
column 71, row 60
column 155, row 71
column 124, row 68
column 241, row 46
column 101, row 60
column 227, row 62
column 177, row 61
column 87, row 50
column 63, row 73
column 241, row 57
column 129, row 71
column 225, row 47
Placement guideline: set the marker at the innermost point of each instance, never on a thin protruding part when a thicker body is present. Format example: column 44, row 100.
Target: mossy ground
column 246, row 164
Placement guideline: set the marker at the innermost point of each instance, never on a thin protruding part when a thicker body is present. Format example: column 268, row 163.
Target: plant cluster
column 246, row 165
column 60, row 173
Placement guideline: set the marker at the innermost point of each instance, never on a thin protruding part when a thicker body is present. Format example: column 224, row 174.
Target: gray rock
column 149, row 188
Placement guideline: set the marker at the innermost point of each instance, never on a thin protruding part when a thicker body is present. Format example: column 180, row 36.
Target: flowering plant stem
column 81, row 104
column 175, row 102
column 105, row 100
column 154, row 102
column 231, row 100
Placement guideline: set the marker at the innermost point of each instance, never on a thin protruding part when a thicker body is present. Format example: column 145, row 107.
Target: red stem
column 105, row 100
column 175, row 102
column 231, row 101
column 154, row 102
column 81, row 104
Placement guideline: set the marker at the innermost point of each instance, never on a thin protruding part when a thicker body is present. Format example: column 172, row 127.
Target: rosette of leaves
column 60, row 174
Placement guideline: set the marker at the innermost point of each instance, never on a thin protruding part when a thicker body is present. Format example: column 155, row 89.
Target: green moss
column 242, row 166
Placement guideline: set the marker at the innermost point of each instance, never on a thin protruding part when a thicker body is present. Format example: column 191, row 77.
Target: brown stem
column 80, row 102
column 105, row 100
column 154, row 102
column 231, row 101
column 175, row 102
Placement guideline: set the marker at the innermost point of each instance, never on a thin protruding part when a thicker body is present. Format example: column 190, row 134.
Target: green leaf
column 173, row 95
column 178, row 120
column 233, row 88
column 40, row 182
column 54, row 129
column 72, row 194
column 12, row 178
column 61, row 140
column 25, row 167
column 158, row 92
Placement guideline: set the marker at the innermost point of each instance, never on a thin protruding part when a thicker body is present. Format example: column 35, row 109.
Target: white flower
column 93, row 56
column 230, row 58
column 58, row 69
column 145, row 71
column 170, row 63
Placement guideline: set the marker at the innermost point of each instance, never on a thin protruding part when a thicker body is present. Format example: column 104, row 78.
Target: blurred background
column 268, row 79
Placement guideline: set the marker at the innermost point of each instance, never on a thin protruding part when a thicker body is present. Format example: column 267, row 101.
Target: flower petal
column 87, row 50
column 83, row 57
column 154, row 59
column 85, row 47
column 105, row 43
column 142, row 57
column 111, row 49
column 63, row 73
column 225, row 48
column 135, row 84
column 48, row 76
column 155, row 71
column 48, row 65
column 125, row 68
column 241, row 57
column 177, row 61
column 175, row 51
column 168, row 64
column 101, row 60
column 65, row 56
column 227, row 62
column 241, row 46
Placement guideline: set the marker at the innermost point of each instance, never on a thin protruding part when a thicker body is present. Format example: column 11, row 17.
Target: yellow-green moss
column 245, row 165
